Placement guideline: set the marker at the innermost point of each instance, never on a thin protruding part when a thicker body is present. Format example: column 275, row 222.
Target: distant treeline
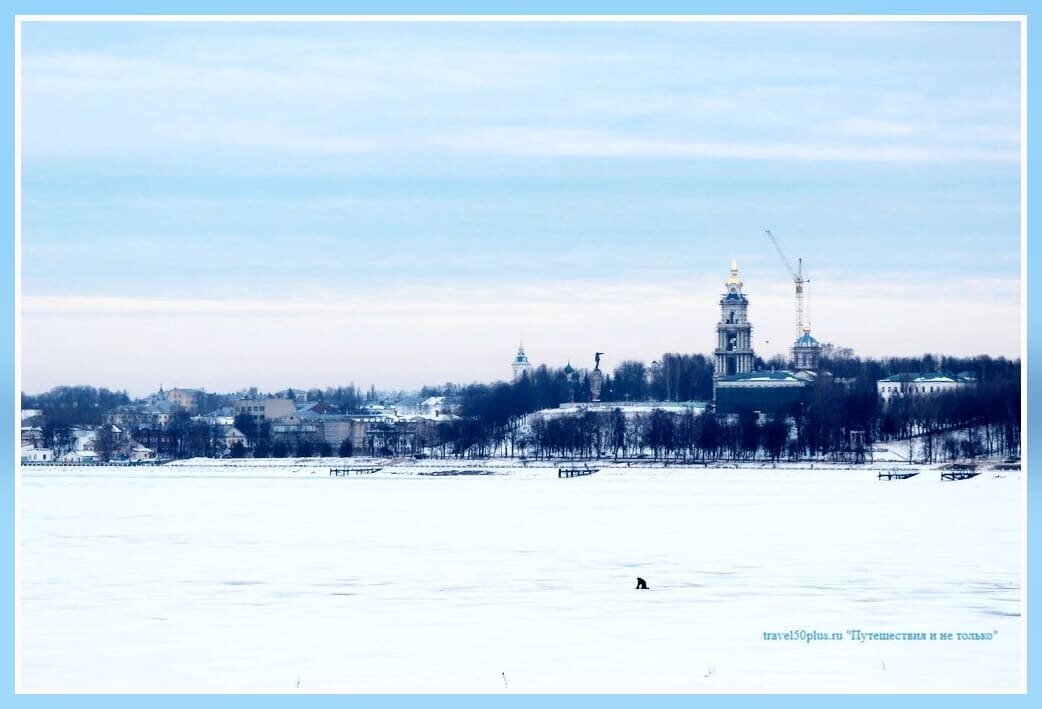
column 674, row 377
column 80, row 404
column 496, row 418
column 64, row 407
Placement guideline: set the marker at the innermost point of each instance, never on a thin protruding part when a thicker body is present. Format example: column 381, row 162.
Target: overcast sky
column 257, row 204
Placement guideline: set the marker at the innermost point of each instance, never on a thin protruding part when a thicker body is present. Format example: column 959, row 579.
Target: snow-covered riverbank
column 259, row 575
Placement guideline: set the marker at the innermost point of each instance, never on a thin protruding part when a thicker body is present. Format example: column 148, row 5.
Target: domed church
column 737, row 387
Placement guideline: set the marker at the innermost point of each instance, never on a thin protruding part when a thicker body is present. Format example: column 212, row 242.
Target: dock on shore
column 342, row 472
column 897, row 475
column 958, row 474
column 576, row 471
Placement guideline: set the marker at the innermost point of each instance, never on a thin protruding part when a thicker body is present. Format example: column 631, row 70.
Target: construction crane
column 798, row 280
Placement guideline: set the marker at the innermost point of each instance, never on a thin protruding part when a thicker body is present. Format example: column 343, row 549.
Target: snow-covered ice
column 278, row 577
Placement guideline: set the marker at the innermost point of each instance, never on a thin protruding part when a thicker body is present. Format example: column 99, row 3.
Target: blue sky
column 274, row 204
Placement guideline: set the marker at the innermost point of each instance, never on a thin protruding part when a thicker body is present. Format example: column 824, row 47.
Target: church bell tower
column 520, row 365
column 734, row 333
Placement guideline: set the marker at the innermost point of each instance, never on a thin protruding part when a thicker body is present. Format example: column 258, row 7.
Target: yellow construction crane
column 798, row 279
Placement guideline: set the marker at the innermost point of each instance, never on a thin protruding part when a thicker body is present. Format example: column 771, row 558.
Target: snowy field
column 278, row 577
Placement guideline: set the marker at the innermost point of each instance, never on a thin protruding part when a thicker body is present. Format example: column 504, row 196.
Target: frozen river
column 281, row 578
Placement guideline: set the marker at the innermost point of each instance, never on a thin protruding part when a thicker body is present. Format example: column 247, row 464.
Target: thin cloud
column 464, row 338
column 371, row 187
column 556, row 143
column 371, row 90
column 594, row 294
column 865, row 126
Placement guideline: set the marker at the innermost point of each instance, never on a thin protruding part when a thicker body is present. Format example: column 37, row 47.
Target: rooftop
column 779, row 375
column 928, row 377
column 806, row 340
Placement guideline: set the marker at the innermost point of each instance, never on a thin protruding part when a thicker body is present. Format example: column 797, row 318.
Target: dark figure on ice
column 641, row 584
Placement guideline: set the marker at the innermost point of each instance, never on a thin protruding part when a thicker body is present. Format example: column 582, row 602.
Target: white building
column 80, row 457
column 32, row 436
column 139, row 453
column 265, row 409
column 228, row 436
column 157, row 413
column 83, row 439
column 734, row 333
column 187, row 399
column 37, row 455
column 916, row 384
column 520, row 365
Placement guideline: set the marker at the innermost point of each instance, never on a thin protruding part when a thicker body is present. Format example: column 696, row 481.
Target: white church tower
column 734, row 332
column 520, row 365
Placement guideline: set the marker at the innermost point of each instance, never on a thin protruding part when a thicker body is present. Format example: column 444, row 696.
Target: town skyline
column 399, row 204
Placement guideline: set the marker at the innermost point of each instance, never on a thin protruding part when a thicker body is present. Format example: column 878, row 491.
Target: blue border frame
column 26, row 7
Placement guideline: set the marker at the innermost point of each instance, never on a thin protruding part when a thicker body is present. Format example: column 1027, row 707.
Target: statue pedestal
column 596, row 382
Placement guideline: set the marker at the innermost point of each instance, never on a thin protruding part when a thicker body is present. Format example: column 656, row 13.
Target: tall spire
column 734, row 280
column 520, row 365
column 734, row 345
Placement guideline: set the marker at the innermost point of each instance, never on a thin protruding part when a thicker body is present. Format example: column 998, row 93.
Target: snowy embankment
column 886, row 460
column 275, row 576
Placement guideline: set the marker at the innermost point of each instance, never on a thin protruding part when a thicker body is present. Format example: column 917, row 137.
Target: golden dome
column 734, row 280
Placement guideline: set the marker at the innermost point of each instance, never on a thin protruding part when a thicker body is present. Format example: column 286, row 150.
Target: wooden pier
column 575, row 472
column 897, row 475
column 958, row 475
column 341, row 472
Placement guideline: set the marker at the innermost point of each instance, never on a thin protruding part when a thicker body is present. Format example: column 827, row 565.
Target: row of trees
column 345, row 399
column 299, row 448
column 64, row 407
column 658, row 434
column 988, row 415
column 494, row 417
column 199, row 439
column 674, row 377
